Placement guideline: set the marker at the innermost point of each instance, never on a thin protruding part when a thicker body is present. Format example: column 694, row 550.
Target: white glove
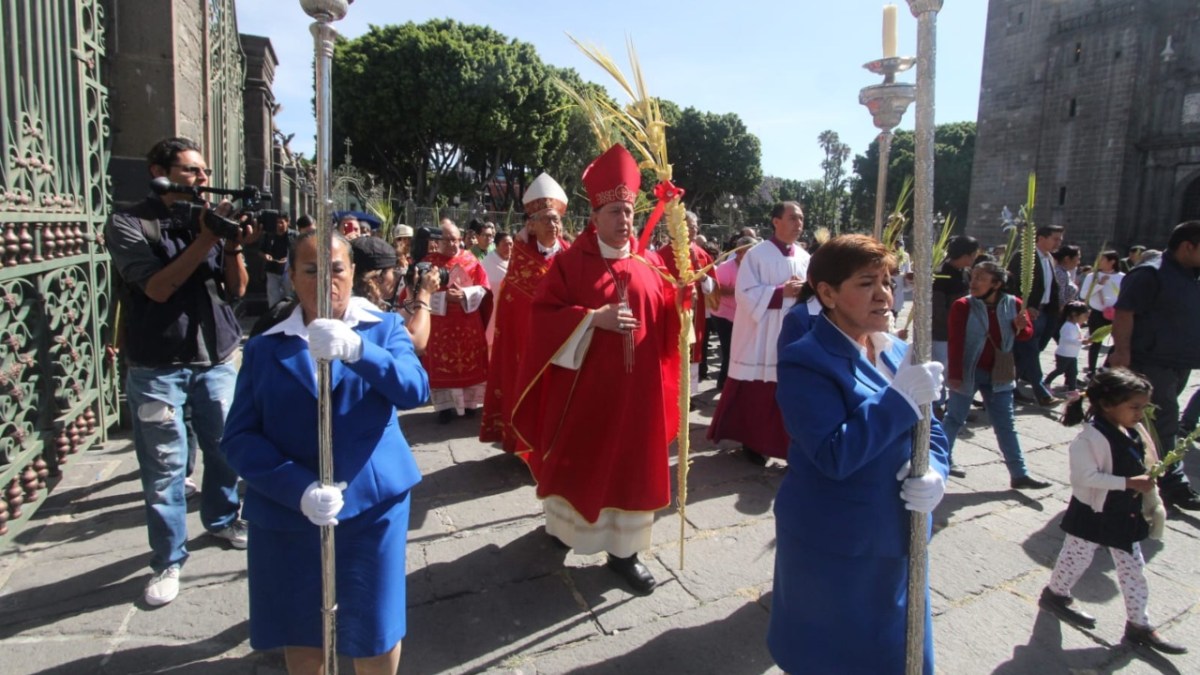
column 322, row 503
column 921, row 383
column 921, row 494
column 330, row 339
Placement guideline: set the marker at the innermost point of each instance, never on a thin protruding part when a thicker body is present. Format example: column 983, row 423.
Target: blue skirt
column 285, row 583
column 837, row 615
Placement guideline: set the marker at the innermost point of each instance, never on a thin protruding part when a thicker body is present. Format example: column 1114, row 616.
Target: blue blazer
column 796, row 324
column 271, row 430
column 850, row 433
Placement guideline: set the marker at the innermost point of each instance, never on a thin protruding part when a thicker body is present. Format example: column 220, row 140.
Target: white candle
column 889, row 31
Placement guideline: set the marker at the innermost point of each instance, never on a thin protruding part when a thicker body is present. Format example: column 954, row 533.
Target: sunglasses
column 193, row 169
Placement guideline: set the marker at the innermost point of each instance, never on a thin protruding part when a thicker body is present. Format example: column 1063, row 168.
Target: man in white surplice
column 769, row 281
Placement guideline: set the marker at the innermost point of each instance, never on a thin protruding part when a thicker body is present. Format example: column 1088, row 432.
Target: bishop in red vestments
column 598, row 396
column 545, row 203
column 456, row 357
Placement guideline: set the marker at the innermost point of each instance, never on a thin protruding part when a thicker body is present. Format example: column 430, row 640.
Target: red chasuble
column 599, row 435
column 700, row 258
column 514, row 303
column 456, row 356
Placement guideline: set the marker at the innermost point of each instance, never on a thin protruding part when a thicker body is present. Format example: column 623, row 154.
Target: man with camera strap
column 180, row 342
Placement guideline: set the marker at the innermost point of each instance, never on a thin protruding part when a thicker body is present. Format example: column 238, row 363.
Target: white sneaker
column 190, row 489
column 236, row 534
column 163, row 587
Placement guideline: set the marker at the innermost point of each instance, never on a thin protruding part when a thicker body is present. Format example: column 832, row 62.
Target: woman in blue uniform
column 850, row 401
column 271, row 440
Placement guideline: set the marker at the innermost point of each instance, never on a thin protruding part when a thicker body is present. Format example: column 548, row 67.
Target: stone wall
column 1079, row 92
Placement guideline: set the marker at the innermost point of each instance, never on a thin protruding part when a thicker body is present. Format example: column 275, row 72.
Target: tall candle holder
column 926, row 12
column 887, row 103
column 325, row 13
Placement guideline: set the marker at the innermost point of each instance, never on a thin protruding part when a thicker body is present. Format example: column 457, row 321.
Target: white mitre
column 544, row 193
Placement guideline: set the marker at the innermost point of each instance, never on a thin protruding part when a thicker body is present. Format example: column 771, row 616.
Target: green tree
column 827, row 204
column 712, row 155
column 755, row 205
column 430, row 101
column 954, row 155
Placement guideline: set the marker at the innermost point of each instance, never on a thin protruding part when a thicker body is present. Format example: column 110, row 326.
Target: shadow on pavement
column 719, row 473
column 1044, row 653
column 954, row 501
column 498, row 601
column 466, row 481
column 100, row 587
column 707, row 648
column 181, row 659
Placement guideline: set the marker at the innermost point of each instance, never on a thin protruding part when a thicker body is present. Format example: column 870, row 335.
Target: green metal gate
column 58, row 388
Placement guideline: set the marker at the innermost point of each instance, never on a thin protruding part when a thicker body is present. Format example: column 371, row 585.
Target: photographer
column 180, row 342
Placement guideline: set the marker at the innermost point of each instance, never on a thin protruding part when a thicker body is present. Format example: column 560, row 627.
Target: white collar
column 880, row 340
column 359, row 310
column 547, row 251
column 613, row 253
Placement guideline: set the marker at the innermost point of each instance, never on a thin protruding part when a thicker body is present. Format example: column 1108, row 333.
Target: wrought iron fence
column 57, row 382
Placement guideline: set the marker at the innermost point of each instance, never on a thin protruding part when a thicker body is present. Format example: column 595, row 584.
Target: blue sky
column 789, row 69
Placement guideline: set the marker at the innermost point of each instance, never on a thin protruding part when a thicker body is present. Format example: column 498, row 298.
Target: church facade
column 1101, row 99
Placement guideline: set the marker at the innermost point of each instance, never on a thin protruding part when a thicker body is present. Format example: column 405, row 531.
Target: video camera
column 420, row 249
column 189, row 212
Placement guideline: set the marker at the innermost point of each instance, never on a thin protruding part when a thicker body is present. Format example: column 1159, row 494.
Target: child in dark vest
column 1114, row 502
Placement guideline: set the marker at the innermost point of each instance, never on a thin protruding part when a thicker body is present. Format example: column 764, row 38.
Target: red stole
column 514, row 303
column 456, row 355
column 599, row 435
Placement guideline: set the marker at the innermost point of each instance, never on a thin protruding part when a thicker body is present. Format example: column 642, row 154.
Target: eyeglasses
column 193, row 169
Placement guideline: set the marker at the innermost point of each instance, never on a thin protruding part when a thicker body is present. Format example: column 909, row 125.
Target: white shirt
column 1047, row 276
column 1070, row 340
column 358, row 310
column 496, row 268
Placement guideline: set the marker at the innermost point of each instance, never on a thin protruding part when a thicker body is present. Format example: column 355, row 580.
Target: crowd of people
column 567, row 347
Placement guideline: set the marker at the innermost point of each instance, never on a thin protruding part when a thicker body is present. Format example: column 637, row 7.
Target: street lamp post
column 731, row 207
column 324, row 13
column 887, row 103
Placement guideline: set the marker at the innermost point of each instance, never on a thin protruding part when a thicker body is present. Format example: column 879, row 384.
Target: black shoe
column 1060, row 606
column 1146, row 636
column 446, row 416
column 755, row 458
column 1050, row 402
column 1028, row 482
column 957, row 471
column 976, row 403
column 1183, row 498
column 633, row 572
column 469, row 412
column 1021, row 398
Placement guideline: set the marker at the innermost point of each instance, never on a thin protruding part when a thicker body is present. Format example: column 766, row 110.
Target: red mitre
column 612, row 177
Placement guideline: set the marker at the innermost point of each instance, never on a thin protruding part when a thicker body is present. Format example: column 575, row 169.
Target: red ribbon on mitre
column 665, row 191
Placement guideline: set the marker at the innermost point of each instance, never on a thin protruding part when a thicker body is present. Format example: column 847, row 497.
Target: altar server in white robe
column 769, row 281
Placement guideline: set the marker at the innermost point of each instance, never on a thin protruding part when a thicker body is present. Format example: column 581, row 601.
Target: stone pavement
column 489, row 593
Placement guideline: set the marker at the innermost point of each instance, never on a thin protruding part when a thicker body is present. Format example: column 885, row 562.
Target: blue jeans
column 157, row 397
column 1028, row 355
column 940, row 352
column 999, row 406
